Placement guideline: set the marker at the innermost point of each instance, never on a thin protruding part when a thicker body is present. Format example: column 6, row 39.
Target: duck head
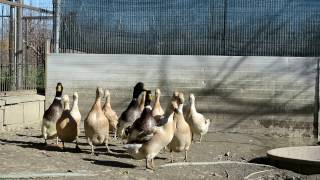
column 138, row 89
column 59, row 89
column 75, row 95
column 180, row 98
column 158, row 92
column 106, row 93
column 191, row 98
column 147, row 102
column 99, row 92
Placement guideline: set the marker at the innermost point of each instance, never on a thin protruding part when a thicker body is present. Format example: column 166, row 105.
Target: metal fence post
column 56, row 24
column 12, row 49
column 19, row 47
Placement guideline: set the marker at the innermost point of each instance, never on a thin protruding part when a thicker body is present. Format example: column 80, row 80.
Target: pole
column 56, row 24
column 12, row 49
column 19, row 50
column 316, row 104
column 225, row 26
column 2, row 26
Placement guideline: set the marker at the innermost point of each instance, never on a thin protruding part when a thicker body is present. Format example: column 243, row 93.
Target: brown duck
column 67, row 126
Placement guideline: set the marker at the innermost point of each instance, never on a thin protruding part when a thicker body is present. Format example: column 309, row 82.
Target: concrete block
column 13, row 115
column 21, row 99
column 2, row 102
column 1, row 118
column 31, row 112
column 41, row 110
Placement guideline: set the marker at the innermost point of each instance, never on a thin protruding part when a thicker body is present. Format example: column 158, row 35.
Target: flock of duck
column 145, row 129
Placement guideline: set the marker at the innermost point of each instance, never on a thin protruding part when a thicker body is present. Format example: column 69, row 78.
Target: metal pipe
column 13, row 4
column 56, row 24
column 19, row 46
column 12, row 48
column 2, row 34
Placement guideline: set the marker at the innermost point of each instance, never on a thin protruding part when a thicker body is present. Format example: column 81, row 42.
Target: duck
column 141, row 128
column 51, row 116
column 157, row 109
column 161, row 137
column 198, row 123
column 182, row 135
column 132, row 112
column 75, row 113
column 67, row 126
column 110, row 113
column 96, row 124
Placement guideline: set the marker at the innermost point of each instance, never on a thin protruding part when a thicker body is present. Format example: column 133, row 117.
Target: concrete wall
column 21, row 111
column 272, row 95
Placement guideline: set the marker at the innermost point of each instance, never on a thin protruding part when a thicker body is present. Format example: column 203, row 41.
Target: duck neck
column 98, row 102
column 107, row 104
column 147, row 104
column 58, row 95
column 66, row 106
column 75, row 104
column 192, row 105
column 142, row 101
column 180, row 108
column 157, row 101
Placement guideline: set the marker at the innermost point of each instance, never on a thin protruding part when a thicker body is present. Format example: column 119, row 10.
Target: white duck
column 182, row 135
column 75, row 113
column 198, row 123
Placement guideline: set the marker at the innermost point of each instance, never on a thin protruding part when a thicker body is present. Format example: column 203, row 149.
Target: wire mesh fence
column 32, row 77
column 27, row 72
column 192, row 27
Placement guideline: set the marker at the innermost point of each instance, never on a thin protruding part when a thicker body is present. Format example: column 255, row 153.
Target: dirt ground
column 23, row 155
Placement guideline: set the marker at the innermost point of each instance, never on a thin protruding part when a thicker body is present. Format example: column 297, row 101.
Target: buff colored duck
column 51, row 116
column 182, row 135
column 96, row 125
column 67, row 126
column 198, row 123
column 157, row 109
column 110, row 113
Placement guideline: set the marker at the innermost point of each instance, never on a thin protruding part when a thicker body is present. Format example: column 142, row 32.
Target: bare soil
column 23, row 155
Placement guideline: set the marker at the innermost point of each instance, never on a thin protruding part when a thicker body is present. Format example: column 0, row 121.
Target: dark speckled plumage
column 53, row 113
column 141, row 129
column 132, row 112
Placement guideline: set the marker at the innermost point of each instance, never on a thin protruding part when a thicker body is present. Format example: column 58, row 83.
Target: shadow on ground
column 110, row 163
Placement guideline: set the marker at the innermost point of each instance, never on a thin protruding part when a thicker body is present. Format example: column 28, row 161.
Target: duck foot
column 77, row 149
column 149, row 169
